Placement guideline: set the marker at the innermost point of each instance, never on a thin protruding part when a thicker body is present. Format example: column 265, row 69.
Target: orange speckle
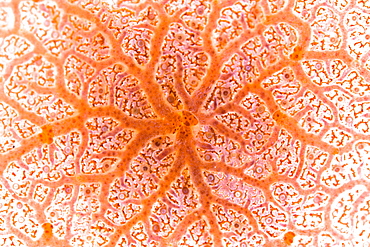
column 289, row 237
column 48, row 231
column 171, row 120
column 297, row 54
column 47, row 134
column 278, row 116
column 189, row 119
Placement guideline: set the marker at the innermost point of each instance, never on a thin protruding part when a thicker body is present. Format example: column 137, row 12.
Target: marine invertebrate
column 184, row 123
